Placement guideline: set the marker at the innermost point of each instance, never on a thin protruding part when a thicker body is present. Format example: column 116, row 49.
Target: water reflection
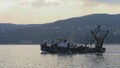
column 77, row 60
column 96, row 60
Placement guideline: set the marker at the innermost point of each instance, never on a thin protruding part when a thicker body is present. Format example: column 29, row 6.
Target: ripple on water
column 24, row 56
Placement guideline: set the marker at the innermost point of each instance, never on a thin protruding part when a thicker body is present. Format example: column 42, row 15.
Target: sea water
column 30, row 56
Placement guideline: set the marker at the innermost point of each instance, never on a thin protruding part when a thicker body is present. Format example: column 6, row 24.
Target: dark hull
column 72, row 50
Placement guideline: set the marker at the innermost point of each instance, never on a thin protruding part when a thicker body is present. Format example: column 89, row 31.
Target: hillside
column 77, row 28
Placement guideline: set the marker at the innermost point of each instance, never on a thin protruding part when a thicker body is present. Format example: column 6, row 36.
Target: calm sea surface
column 30, row 56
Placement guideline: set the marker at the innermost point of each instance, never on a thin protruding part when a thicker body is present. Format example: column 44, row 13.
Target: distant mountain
column 10, row 26
column 78, row 29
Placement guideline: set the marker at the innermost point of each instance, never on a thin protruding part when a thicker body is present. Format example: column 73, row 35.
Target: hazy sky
column 44, row 11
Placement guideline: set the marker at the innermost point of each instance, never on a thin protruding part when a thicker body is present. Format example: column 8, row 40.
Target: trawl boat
column 65, row 46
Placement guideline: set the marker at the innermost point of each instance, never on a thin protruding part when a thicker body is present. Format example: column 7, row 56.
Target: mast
column 90, row 40
column 99, row 36
column 71, row 34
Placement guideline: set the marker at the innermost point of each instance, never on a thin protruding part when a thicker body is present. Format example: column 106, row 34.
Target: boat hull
column 72, row 50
